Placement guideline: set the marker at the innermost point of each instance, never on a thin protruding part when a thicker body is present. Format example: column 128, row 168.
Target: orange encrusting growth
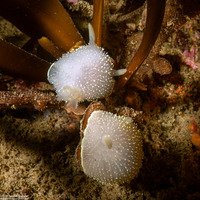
column 97, row 20
column 196, row 134
column 196, row 139
column 155, row 13
column 42, row 18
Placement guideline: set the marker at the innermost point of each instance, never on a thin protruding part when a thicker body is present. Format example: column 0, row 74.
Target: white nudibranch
column 111, row 148
column 83, row 74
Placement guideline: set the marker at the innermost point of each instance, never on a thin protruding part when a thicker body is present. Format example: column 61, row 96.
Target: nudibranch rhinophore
column 83, row 74
column 111, row 148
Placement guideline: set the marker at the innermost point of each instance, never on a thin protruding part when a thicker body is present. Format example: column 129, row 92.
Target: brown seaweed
column 97, row 20
column 19, row 63
column 155, row 13
column 42, row 18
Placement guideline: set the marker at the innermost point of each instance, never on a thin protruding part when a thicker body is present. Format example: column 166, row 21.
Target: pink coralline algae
column 72, row 1
column 191, row 54
column 187, row 39
column 189, row 58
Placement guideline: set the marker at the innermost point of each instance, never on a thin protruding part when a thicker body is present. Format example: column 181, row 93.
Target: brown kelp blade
column 18, row 63
column 97, row 20
column 50, row 47
column 39, row 18
column 155, row 14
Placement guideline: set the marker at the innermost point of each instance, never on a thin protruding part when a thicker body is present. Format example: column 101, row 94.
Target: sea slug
column 111, row 148
column 83, row 74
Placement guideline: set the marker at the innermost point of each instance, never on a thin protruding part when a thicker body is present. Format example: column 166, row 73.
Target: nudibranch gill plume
column 85, row 73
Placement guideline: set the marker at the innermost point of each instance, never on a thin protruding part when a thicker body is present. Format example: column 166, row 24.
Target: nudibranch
column 85, row 73
column 111, row 148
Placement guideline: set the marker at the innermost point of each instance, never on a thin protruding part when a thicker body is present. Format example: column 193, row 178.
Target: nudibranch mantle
column 111, row 148
column 83, row 74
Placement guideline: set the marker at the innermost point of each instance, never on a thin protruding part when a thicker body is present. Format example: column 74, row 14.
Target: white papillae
column 111, row 149
column 84, row 74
